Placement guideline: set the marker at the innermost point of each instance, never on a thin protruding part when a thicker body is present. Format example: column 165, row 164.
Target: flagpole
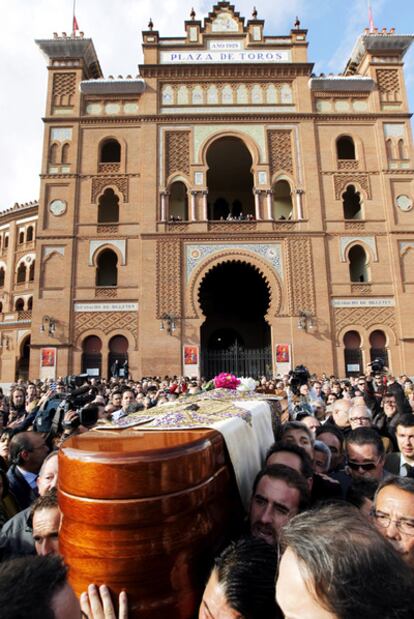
column 73, row 18
column 370, row 17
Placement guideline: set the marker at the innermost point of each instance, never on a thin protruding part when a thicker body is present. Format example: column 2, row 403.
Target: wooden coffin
column 146, row 512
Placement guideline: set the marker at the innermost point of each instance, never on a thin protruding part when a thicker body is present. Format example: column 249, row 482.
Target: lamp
column 48, row 325
column 170, row 323
column 306, row 321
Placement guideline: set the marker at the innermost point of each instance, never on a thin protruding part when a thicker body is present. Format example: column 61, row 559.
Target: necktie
column 409, row 469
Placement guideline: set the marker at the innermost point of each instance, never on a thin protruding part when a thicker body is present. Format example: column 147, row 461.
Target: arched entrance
column 23, row 362
column 353, row 353
column 378, row 350
column 229, row 179
column 118, row 351
column 235, row 336
column 91, row 356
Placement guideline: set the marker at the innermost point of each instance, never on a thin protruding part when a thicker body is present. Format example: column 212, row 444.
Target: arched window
column 358, row 269
column 389, row 148
column 353, row 354
column 19, row 305
column 378, row 350
column 402, row 152
column 118, row 351
column 29, row 234
column 1, row 307
column 178, row 210
column 110, row 152
column 6, row 241
column 53, row 153
column 21, row 237
column 21, row 273
column 345, row 148
column 30, row 304
column 351, row 201
column 32, row 271
column 282, row 201
column 91, row 355
column 65, row 153
column 107, row 268
column 108, row 208
column 2, row 274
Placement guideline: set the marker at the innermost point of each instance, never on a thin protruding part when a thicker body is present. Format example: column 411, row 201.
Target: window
column 353, row 354
column 65, row 153
column 178, row 210
column 30, row 304
column 358, row 269
column 53, row 153
column 6, row 241
column 378, row 350
column 2, row 274
column 21, row 237
column 21, row 273
column 345, row 148
column 351, row 201
column 108, row 208
column 107, row 268
column 29, row 234
column 32, row 271
column 111, row 152
column 282, row 201
column 19, row 306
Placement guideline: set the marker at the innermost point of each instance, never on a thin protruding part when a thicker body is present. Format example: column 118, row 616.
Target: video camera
column 78, row 398
column 299, row 376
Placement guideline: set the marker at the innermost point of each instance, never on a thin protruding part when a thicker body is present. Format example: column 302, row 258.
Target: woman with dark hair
column 242, row 583
column 335, row 565
column 8, row 507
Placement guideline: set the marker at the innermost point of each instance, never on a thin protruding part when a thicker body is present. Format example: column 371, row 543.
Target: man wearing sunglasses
column 393, row 514
column 365, row 454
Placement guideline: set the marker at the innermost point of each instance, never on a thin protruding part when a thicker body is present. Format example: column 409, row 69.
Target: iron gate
column 240, row 361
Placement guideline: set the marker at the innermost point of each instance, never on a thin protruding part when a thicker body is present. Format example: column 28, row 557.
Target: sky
column 116, row 27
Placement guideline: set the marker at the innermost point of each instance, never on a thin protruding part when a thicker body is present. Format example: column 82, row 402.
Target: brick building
column 225, row 209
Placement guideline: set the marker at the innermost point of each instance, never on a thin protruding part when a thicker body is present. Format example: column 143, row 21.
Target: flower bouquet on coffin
column 224, row 380
column 246, row 385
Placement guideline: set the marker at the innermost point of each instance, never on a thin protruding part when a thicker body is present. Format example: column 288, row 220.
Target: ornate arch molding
column 368, row 242
column 116, row 245
column 366, row 320
column 192, row 303
column 248, row 141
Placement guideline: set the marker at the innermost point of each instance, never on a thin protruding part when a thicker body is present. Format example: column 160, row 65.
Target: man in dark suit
column 402, row 463
column 27, row 452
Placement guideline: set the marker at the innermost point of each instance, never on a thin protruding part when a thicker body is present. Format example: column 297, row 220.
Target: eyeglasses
column 360, row 419
column 384, row 520
column 365, row 466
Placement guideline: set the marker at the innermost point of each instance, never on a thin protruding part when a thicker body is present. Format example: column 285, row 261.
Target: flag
column 370, row 18
column 75, row 24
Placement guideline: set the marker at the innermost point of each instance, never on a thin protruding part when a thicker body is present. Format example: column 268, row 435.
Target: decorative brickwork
column 99, row 183
column 109, row 168
column 348, row 164
column 342, row 180
column 358, row 289
column 280, row 151
column 354, row 225
column 232, row 227
column 301, row 277
column 364, row 317
column 107, row 229
column 169, row 278
column 283, row 226
column 106, row 322
column 177, row 156
column 64, row 88
column 106, row 293
column 177, row 227
column 388, row 84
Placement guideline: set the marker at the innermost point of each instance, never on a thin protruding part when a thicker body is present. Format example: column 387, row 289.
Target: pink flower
column 226, row 381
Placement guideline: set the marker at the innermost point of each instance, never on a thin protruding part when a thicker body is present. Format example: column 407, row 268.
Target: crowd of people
column 330, row 528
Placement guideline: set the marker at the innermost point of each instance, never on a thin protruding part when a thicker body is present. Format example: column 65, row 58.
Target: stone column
column 257, row 203
column 299, row 214
column 205, row 214
column 269, row 198
column 193, row 205
column 164, row 205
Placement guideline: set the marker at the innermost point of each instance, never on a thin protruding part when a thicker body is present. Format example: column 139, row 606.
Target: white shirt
column 403, row 462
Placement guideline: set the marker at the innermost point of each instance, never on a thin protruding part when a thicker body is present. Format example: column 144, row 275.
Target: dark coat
column 16, row 538
column 22, row 492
